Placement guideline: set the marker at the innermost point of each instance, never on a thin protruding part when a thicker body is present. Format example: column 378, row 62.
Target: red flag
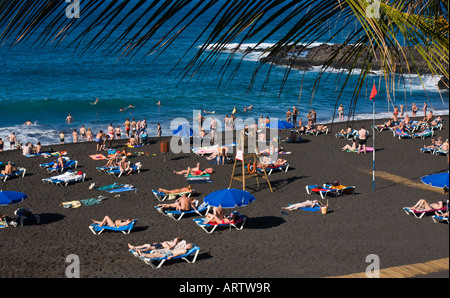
column 374, row 92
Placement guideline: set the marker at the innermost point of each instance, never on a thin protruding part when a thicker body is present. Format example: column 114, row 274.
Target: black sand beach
column 272, row 245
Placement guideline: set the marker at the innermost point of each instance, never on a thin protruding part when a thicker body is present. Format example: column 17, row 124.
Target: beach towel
column 111, row 186
column 97, row 157
column 122, row 189
column 71, row 204
column 368, row 149
column 91, row 201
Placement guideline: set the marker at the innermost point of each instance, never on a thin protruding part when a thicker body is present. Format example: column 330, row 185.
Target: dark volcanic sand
column 272, row 245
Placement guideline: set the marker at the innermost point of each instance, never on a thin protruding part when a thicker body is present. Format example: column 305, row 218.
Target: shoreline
column 271, row 245
column 329, row 124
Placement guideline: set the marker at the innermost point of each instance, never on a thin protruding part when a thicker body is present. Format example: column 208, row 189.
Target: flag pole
column 373, row 145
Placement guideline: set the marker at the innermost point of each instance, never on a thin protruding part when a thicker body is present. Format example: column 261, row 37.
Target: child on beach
column 61, row 137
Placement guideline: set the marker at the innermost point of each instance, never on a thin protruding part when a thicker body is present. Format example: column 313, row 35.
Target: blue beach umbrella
column 280, row 124
column 229, row 198
column 437, row 180
column 11, row 197
column 183, row 131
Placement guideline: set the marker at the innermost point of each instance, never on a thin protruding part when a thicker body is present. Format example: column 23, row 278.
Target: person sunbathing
column 183, row 204
column 444, row 215
column 187, row 189
column 218, row 216
column 346, row 131
column 107, row 221
column 434, row 144
column 170, row 244
column 166, row 253
column 304, row 204
column 195, row 172
column 59, row 163
column 353, row 147
column 113, row 160
column 9, row 169
column 279, row 162
column 444, row 146
column 423, row 205
column 124, row 166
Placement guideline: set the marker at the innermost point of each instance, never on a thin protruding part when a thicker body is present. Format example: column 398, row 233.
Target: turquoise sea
column 45, row 84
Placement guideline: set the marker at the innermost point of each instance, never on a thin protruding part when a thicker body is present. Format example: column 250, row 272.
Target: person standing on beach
column 118, row 132
column 314, row 117
column 89, row 135
column 83, row 132
column 1, row 145
column 213, row 129
column 414, row 109
column 200, row 120
column 158, row 131
column 61, row 137
column 127, row 127
column 99, row 140
column 294, row 115
column 133, row 126
column 401, row 111
column 341, row 112
column 288, row 116
column 362, row 135
column 425, row 107
column 75, row 136
column 111, row 131
column 12, row 140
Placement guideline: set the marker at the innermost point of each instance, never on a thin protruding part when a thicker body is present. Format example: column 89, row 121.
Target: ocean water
column 45, row 84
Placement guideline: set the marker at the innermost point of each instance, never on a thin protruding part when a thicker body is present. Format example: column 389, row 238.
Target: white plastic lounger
column 97, row 229
column 163, row 197
column 153, row 262
column 65, row 179
column 177, row 215
column 209, row 228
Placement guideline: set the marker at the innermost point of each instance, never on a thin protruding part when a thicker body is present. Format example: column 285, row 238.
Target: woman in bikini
column 176, row 191
column 423, row 205
column 107, row 221
column 157, row 245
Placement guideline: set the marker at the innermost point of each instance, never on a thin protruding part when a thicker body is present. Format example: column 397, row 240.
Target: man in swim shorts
column 362, row 135
column 12, row 140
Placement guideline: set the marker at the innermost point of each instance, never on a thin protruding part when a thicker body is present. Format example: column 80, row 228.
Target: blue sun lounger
column 440, row 218
column 68, row 165
column 177, row 215
column 192, row 253
column 136, row 168
column 162, row 196
column 424, row 134
column 401, row 134
column 19, row 173
column 209, row 228
column 97, row 229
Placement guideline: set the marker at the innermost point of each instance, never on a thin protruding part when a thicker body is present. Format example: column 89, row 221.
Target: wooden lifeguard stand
column 254, row 157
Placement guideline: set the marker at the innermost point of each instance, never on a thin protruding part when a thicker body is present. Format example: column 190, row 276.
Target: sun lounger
column 52, row 163
column 440, row 152
column 321, row 190
column 106, row 169
column 422, row 213
column 341, row 188
column 20, row 172
column 177, row 215
column 238, row 223
column 199, row 179
column 163, row 197
column 427, row 150
column 440, row 218
column 66, row 178
column 156, row 263
column 97, row 229
column 270, row 168
column 136, row 168
column 401, row 134
column 71, row 164
column 424, row 134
